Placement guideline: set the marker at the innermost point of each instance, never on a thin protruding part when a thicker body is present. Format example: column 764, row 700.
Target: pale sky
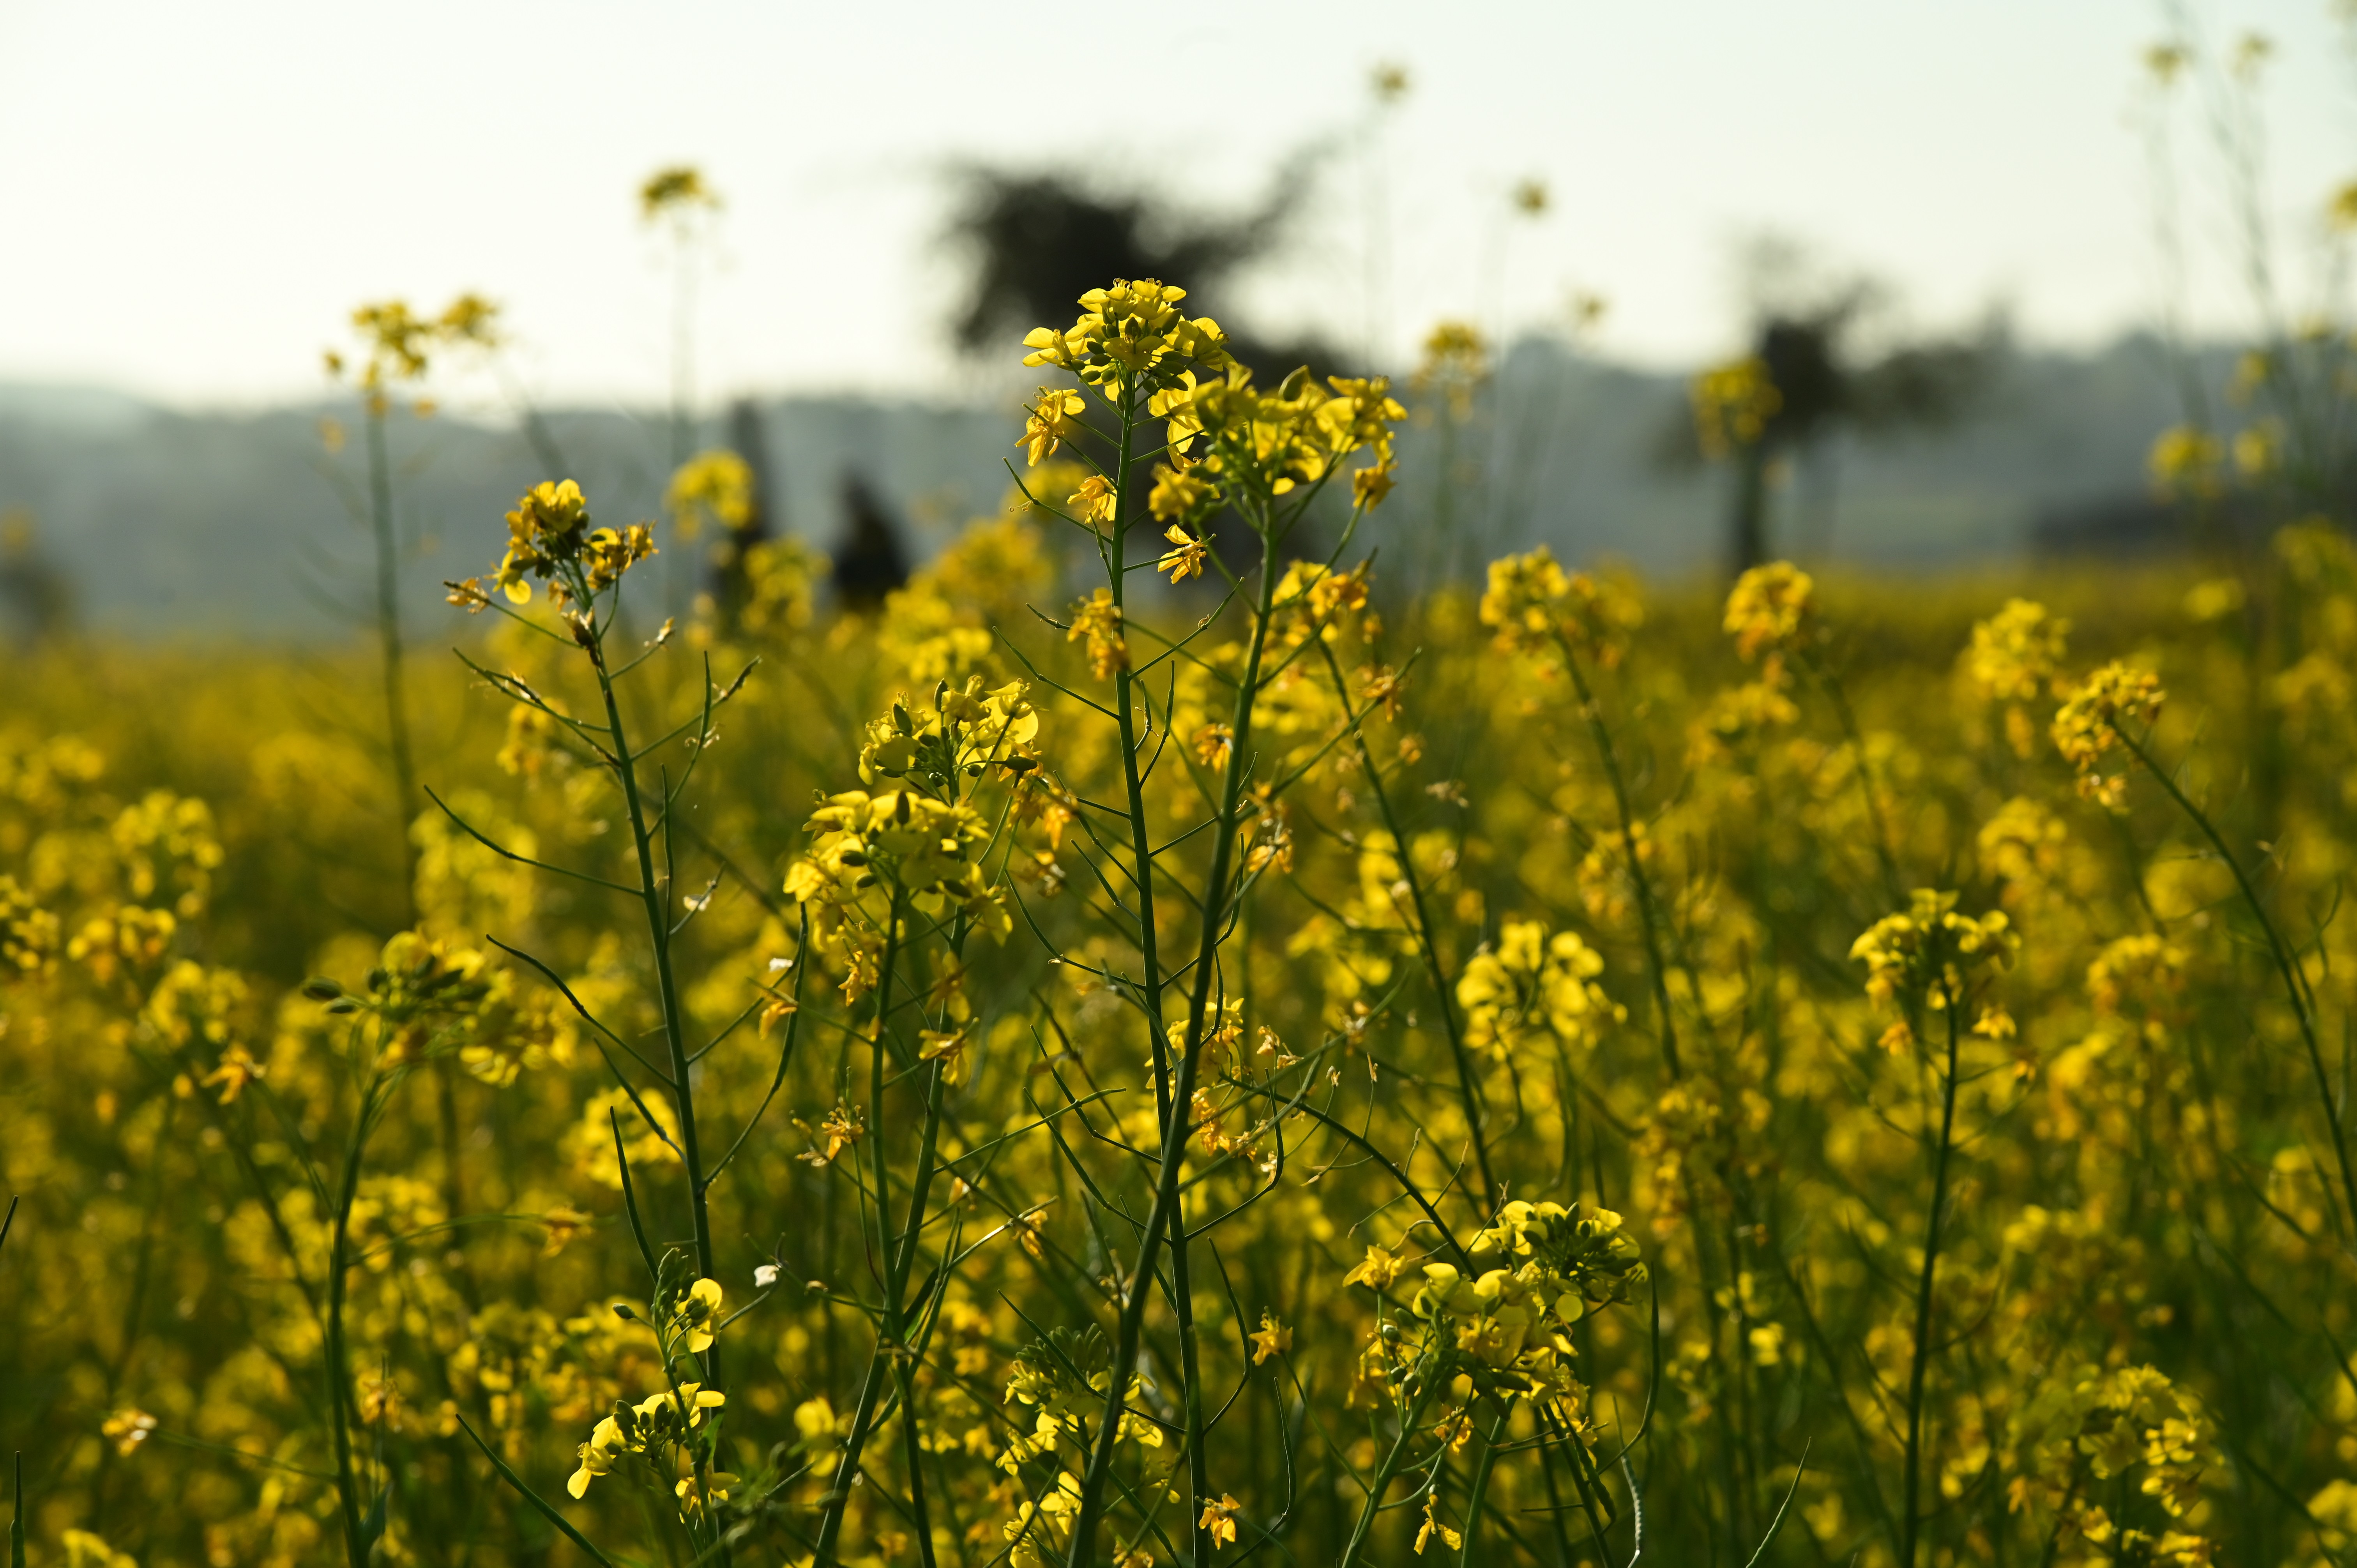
column 196, row 195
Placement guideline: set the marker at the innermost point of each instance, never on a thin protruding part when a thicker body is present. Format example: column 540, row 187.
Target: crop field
column 1150, row 1043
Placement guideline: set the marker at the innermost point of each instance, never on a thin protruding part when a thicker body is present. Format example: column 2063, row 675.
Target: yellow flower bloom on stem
column 1377, row 1271
column 948, row 1047
column 1096, row 501
column 1732, row 405
column 1768, row 610
column 2090, row 719
column 1179, row 494
column 1185, row 556
column 1054, row 419
column 1932, row 952
column 1271, row 1339
column 128, row 1429
column 1096, row 621
column 1130, row 334
column 697, row 1315
column 237, row 1068
column 1451, row 1538
column 1220, row 1518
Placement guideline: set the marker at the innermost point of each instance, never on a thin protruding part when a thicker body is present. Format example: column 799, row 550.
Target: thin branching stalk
column 1166, row 1218
column 1394, row 1461
column 2293, row 983
column 654, row 896
column 1920, row 1363
column 1648, row 909
column 1476, row 1114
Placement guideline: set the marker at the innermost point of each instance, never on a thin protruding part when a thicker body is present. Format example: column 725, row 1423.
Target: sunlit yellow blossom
column 697, row 1315
column 128, row 1429
column 236, row 1069
column 1933, row 953
column 1096, row 622
column 1128, row 335
column 1096, row 500
column 1733, row 405
column 1768, row 611
column 1053, row 418
column 1219, row 1519
column 1179, row 494
column 1185, row 556
column 1271, row 1339
column 2090, row 720
column 2186, row 463
column 1453, row 1540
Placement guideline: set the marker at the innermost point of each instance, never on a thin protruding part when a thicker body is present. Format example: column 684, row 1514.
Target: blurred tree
column 728, row 584
column 1036, row 242
column 1822, row 364
column 869, row 559
column 35, row 598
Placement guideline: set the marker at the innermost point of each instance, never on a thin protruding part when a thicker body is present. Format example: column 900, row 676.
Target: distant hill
column 172, row 523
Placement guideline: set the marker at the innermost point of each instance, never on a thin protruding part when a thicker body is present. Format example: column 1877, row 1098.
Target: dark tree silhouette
column 1816, row 344
column 1824, row 387
column 869, row 559
column 1036, row 242
column 37, row 599
column 731, row 587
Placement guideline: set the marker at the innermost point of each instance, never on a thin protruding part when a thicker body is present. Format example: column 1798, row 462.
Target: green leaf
column 372, row 1527
column 547, row 1510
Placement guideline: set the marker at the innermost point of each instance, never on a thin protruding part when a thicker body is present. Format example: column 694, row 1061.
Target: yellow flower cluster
column 1931, row 954
column 2187, row 463
column 1530, row 988
column 718, row 484
column 1228, row 435
column 2092, row 719
column 1539, row 1270
column 549, row 537
column 1096, row 624
column 1768, row 611
column 1537, row 606
column 658, row 1422
column 1130, row 336
column 1732, row 405
column 926, row 848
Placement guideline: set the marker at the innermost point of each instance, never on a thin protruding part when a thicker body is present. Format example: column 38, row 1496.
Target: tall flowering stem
column 1930, row 958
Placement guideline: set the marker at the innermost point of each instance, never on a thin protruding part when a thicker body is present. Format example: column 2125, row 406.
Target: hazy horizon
column 217, row 189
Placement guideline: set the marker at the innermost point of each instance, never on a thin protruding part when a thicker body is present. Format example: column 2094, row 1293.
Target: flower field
column 1154, row 1044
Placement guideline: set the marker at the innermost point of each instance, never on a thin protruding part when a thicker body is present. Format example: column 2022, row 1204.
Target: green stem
column 891, row 1339
column 389, row 643
column 1389, row 1472
column 1166, row 1220
column 2295, row 989
column 1848, row 722
column 654, row 896
column 1182, row 1289
column 1467, row 1555
column 1910, row 1519
column 1493, row 1192
column 1648, row 911
column 339, row 1386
